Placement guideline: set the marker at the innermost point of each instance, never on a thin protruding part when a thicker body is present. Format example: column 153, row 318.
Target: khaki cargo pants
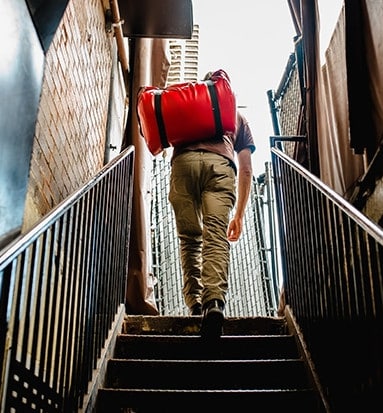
column 202, row 193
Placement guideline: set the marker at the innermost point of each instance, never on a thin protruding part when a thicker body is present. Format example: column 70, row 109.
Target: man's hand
column 234, row 229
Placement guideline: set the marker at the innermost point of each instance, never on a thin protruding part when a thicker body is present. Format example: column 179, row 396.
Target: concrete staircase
column 161, row 364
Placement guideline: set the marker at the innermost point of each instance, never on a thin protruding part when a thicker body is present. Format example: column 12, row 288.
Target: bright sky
column 252, row 41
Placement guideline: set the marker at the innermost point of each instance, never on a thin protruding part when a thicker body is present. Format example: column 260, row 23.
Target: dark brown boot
column 212, row 319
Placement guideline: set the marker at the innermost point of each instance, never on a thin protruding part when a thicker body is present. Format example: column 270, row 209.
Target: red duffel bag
column 186, row 112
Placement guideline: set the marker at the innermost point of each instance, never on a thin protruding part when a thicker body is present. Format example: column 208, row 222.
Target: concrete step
column 177, row 325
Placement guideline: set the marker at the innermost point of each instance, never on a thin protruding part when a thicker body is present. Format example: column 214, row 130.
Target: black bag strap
column 160, row 119
column 216, row 111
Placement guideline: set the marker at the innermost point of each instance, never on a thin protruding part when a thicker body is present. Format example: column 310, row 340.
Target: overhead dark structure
column 46, row 15
column 157, row 19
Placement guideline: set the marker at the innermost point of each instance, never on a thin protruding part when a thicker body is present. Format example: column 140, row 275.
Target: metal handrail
column 61, row 286
column 332, row 259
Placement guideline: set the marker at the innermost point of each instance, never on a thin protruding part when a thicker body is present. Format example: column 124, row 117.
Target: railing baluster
column 333, row 276
column 61, row 286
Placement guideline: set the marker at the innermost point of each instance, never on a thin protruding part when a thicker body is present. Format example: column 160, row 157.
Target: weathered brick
column 69, row 143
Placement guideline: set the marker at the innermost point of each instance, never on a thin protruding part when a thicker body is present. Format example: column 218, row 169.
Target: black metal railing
column 61, row 286
column 332, row 259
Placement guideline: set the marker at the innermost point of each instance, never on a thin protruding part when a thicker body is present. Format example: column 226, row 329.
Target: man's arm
column 245, row 176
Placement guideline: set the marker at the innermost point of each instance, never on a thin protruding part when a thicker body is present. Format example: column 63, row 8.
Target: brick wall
column 69, row 143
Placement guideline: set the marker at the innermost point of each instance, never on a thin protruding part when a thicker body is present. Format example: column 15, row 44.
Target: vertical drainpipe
column 274, row 115
column 270, row 197
column 115, row 17
column 117, row 24
column 275, row 278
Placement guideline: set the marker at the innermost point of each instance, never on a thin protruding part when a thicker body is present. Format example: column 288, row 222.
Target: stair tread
column 193, row 347
column 224, row 401
column 160, row 337
column 206, row 374
column 190, row 325
column 217, row 391
column 202, row 361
